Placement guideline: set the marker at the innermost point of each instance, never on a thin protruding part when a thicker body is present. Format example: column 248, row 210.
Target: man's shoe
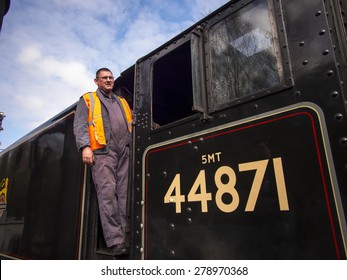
column 120, row 249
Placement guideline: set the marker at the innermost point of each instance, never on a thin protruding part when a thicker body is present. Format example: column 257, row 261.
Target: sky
column 51, row 49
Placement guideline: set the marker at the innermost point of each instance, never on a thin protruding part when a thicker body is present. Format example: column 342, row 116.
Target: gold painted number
column 176, row 198
column 281, row 185
column 260, row 167
column 203, row 196
column 225, row 181
column 228, row 187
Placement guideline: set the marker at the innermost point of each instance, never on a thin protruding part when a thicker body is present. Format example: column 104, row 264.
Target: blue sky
column 50, row 50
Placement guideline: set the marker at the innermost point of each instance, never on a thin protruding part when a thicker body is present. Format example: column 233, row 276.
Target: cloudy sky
column 50, row 50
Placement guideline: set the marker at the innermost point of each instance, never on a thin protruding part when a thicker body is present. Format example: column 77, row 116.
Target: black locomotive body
column 239, row 147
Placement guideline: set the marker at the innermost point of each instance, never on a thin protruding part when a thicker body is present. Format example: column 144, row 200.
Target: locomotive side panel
column 43, row 179
column 235, row 177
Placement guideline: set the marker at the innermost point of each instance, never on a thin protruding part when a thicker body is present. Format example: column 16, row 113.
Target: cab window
column 172, row 92
column 244, row 55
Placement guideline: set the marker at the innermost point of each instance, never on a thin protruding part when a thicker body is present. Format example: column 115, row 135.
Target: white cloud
column 73, row 73
column 29, row 54
column 35, row 103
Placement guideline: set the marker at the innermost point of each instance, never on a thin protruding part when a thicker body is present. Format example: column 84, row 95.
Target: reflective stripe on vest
column 95, row 122
column 128, row 113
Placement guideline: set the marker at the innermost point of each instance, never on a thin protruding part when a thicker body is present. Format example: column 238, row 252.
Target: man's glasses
column 106, row 77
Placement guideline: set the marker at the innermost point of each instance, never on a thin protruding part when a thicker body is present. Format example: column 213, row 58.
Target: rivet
column 330, row 73
column 322, row 32
column 189, row 220
column 297, row 93
column 141, row 250
column 343, row 140
column 318, row 13
column 325, row 52
column 164, row 174
column 305, row 62
column 195, row 148
column 301, row 43
column 172, row 226
column 338, row 116
column 172, row 253
column 148, row 175
column 189, row 210
column 334, row 93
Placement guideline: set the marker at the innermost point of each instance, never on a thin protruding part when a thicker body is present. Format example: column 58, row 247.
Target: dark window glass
column 244, row 54
column 172, row 86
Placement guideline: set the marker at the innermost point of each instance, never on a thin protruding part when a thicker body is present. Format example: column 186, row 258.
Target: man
column 102, row 127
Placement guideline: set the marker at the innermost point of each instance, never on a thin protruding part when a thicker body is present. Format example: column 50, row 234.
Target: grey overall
column 110, row 176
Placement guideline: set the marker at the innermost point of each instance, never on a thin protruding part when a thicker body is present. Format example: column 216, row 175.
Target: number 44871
column 198, row 192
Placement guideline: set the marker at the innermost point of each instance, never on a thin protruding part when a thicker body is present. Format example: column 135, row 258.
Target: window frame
column 187, row 39
column 285, row 80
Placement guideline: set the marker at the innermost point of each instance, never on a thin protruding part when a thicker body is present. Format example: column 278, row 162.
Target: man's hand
column 87, row 155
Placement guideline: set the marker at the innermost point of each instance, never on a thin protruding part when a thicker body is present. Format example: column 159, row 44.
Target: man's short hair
column 100, row 70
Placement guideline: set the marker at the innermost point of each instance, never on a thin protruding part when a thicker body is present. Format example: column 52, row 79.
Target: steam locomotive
column 239, row 147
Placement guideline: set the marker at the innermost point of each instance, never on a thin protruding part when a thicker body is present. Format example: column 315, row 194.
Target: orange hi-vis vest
column 95, row 121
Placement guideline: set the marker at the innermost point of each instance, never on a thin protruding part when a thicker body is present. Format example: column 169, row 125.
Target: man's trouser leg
column 104, row 177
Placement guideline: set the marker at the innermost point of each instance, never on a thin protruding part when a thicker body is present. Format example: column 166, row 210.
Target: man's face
column 105, row 81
